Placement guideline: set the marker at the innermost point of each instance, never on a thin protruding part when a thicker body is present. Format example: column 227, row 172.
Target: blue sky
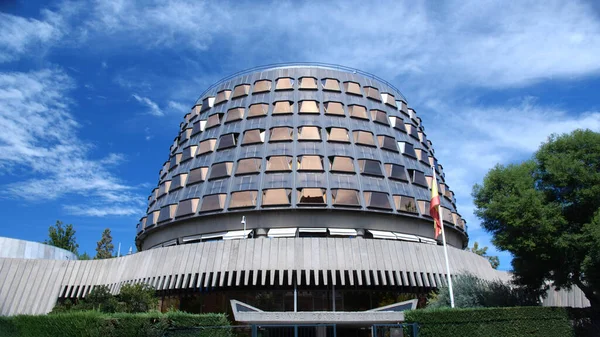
column 92, row 93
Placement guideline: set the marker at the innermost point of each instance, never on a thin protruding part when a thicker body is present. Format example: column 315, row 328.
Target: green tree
column 138, row 297
column 546, row 212
column 105, row 247
column 494, row 261
column 62, row 237
column 84, row 256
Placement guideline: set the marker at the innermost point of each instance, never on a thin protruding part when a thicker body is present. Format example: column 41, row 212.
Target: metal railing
column 301, row 64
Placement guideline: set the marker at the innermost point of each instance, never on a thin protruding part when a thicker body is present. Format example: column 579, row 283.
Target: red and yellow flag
column 434, row 205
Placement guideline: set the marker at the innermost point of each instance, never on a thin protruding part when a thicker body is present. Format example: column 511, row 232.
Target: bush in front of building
column 97, row 324
column 132, row 298
column 471, row 291
column 499, row 322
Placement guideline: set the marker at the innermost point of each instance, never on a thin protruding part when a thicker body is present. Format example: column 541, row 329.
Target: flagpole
column 445, row 248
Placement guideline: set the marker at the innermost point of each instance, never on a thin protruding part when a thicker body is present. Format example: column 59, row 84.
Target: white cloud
column 178, row 107
column 39, row 146
column 491, row 43
column 153, row 108
column 19, row 35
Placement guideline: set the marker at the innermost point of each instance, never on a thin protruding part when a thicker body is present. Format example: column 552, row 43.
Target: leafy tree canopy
column 105, row 247
column 494, row 260
column 546, row 212
column 62, row 237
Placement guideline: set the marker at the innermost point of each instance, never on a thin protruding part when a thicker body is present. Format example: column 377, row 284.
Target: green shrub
column 473, row 292
column 500, row 322
column 7, row 327
column 98, row 324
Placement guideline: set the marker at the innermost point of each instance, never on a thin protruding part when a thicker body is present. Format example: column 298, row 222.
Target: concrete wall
column 21, row 249
column 33, row 286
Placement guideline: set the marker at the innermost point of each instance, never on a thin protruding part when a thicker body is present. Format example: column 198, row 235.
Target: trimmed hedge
column 96, row 324
column 500, row 322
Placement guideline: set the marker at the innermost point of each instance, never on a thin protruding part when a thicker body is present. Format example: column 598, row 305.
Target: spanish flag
column 434, row 206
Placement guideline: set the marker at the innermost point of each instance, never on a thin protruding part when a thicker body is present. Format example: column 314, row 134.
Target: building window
column 175, row 159
column 412, row 130
column 243, row 199
column 312, row 196
column 255, row 136
column 338, row 135
column 198, row 127
column 178, row 182
column 220, row 170
column 213, row 120
column 387, row 143
column 187, row 207
column 167, row 213
column 334, row 109
column 370, row 167
column 310, row 163
column 262, row 86
column 234, row 114
column 227, row 141
column 417, row 178
column 423, row 207
column 407, row 149
column 309, row 133
column 214, row 202
column 344, row 197
column 197, row 175
column 373, row 93
column 405, row 204
column 396, row 172
column 331, row 84
column 189, row 153
column 281, row 134
column 222, row 96
column 283, row 108
column 309, row 107
column 241, row 90
column 364, row 138
column 308, row 83
column 207, row 103
column 358, row 111
column 380, row 117
column 163, row 188
column 284, row 83
column 206, row 146
column 258, row 110
column 388, row 99
column 248, row 166
column 352, row 88
column 279, row 164
column 378, row 200
column 422, row 155
column 276, row 197
column 341, row 164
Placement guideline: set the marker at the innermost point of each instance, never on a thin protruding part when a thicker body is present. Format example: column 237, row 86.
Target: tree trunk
column 589, row 294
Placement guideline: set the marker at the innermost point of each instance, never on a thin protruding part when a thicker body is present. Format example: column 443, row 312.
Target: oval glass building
column 299, row 151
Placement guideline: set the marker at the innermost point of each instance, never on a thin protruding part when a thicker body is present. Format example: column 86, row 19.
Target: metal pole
column 295, row 296
column 333, row 297
column 445, row 248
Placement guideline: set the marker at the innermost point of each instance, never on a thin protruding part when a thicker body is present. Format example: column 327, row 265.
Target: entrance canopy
column 388, row 314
